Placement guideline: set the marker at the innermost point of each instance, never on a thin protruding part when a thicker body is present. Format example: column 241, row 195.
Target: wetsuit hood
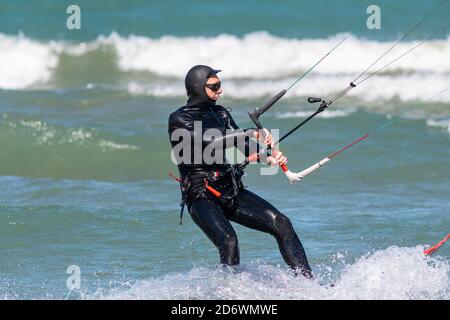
column 195, row 81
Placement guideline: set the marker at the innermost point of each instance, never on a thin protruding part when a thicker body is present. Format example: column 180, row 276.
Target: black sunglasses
column 214, row 86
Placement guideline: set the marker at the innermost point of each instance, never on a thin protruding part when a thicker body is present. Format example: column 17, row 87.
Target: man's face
column 210, row 90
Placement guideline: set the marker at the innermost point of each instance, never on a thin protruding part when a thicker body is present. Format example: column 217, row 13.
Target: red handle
column 212, row 190
column 253, row 157
column 283, row 167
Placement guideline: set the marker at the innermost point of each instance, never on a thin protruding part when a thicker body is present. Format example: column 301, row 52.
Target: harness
column 196, row 184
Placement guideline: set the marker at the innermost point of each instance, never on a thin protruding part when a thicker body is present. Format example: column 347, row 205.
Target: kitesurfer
column 213, row 193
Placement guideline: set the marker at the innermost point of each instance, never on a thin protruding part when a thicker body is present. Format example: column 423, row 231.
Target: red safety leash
column 207, row 186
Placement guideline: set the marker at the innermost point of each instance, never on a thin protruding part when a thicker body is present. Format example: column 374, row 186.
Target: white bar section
column 314, row 167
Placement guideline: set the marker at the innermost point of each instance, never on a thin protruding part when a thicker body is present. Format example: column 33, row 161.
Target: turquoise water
column 84, row 151
column 288, row 18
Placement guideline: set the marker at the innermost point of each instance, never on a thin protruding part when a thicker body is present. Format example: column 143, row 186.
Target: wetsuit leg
column 209, row 216
column 256, row 213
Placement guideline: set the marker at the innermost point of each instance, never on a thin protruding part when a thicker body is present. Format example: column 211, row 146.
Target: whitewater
column 393, row 273
column 250, row 69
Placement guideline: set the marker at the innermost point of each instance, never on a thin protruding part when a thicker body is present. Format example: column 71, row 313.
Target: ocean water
column 84, row 150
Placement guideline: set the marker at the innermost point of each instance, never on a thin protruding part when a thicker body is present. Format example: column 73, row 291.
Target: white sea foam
column 393, row 273
column 406, row 88
column 45, row 134
column 24, row 62
column 326, row 115
column 35, row 124
column 79, row 135
column 440, row 123
column 254, row 66
column 260, row 55
column 110, row 145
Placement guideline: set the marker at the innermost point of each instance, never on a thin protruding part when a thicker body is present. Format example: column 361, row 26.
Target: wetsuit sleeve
column 247, row 146
column 182, row 136
column 180, row 120
column 237, row 138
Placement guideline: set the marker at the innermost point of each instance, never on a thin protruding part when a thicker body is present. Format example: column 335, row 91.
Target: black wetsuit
column 213, row 214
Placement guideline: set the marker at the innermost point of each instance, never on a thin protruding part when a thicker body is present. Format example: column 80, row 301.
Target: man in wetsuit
column 213, row 193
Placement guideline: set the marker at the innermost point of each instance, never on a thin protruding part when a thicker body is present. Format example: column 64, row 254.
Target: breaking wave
column 255, row 65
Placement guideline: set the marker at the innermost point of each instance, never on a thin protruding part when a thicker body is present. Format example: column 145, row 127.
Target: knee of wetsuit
column 229, row 243
column 283, row 224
